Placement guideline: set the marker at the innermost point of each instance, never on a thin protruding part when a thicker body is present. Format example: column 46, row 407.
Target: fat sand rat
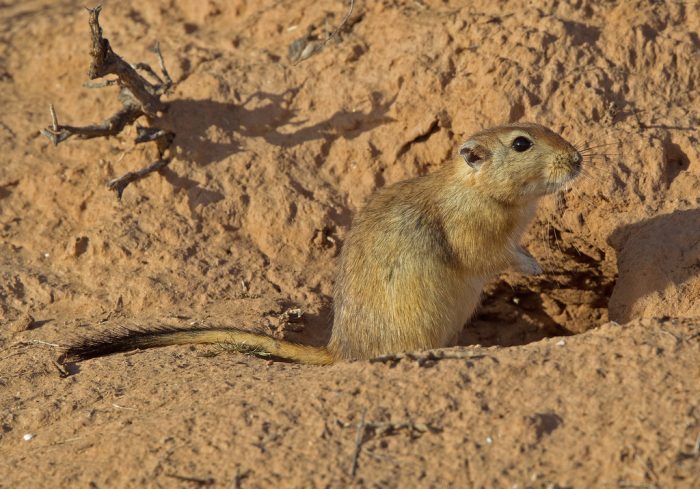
column 416, row 258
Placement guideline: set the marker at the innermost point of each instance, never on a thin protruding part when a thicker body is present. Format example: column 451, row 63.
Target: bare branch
column 165, row 87
column 146, row 68
column 359, row 438
column 344, row 21
column 109, row 127
column 428, row 357
column 119, row 184
column 138, row 96
column 309, row 45
column 54, row 119
column 147, row 134
column 102, row 84
column 107, row 62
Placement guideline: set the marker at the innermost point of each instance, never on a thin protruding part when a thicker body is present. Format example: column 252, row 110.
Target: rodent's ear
column 474, row 153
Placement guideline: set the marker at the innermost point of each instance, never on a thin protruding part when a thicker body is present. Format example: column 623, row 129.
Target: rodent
column 416, row 257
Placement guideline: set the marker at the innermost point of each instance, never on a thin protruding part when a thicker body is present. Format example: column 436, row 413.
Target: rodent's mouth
column 576, row 170
column 578, row 163
column 558, row 183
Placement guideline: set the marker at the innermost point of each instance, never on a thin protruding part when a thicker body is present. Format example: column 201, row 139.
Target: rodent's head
column 520, row 161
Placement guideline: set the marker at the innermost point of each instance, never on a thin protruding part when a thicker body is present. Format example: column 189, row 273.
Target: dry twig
column 309, row 45
column 425, row 358
column 138, row 96
column 202, row 481
column 359, row 438
column 367, row 430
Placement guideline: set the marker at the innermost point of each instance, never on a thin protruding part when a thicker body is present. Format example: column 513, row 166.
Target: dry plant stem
column 366, row 430
column 109, row 127
column 119, row 184
column 62, row 371
column 106, row 62
column 197, row 480
column 102, row 84
column 308, row 46
column 359, row 438
column 138, row 96
column 426, row 357
column 342, row 23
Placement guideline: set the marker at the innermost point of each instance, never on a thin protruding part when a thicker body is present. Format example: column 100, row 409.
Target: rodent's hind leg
column 525, row 263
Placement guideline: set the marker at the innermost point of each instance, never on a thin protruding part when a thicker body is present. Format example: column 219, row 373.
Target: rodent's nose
column 577, row 159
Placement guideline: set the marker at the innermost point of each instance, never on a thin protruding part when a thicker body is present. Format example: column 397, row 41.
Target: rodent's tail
column 244, row 341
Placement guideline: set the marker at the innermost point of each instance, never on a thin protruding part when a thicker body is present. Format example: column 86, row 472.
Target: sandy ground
column 587, row 376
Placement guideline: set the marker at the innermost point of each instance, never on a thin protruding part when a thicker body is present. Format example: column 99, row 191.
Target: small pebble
column 28, row 437
column 489, row 440
column 561, row 343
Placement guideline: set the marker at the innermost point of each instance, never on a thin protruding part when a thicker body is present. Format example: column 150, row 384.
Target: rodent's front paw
column 526, row 263
column 531, row 268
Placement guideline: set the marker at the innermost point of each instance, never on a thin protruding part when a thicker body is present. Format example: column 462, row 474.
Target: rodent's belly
column 463, row 307
column 413, row 310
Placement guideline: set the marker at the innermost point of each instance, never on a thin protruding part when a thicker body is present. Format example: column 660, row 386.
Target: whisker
column 597, row 151
column 596, row 183
column 598, row 164
column 585, row 223
column 548, row 257
column 593, row 171
column 587, row 153
column 591, row 176
column 601, row 154
column 578, row 193
column 590, row 158
column 572, row 188
column 578, row 143
column 545, row 236
column 596, row 146
column 596, row 174
column 596, row 169
column 558, row 206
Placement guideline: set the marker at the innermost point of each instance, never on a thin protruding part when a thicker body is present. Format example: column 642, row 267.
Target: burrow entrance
column 571, row 296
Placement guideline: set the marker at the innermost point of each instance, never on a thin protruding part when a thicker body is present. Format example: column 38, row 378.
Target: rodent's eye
column 521, row 144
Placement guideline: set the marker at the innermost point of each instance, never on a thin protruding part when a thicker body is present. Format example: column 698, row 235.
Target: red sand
column 247, row 221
